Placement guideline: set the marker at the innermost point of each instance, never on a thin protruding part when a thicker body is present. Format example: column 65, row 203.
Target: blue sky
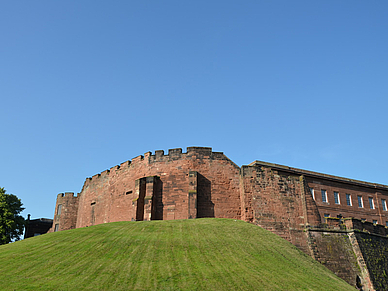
column 86, row 85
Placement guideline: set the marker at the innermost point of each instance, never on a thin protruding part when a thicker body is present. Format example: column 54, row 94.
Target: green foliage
column 11, row 223
column 196, row 254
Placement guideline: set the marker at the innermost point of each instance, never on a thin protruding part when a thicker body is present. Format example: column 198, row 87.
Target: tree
column 11, row 223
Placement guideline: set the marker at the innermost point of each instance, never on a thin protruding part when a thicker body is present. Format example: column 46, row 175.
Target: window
column 59, row 209
column 360, row 203
column 374, row 221
column 56, row 227
column 348, row 200
column 386, row 223
column 324, row 196
column 336, row 198
column 384, row 204
column 371, row 204
column 312, row 193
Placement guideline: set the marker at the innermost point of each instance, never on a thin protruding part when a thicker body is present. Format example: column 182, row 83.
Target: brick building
column 203, row 183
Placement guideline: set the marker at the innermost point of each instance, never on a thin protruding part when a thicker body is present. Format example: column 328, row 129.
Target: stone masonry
column 296, row 204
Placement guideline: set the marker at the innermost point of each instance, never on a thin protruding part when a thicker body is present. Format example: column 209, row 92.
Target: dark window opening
column 371, row 203
column 93, row 203
column 324, row 196
column 358, row 283
column 360, row 202
column 129, row 192
column 59, row 209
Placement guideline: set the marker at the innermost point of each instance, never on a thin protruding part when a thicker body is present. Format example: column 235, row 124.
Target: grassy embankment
column 200, row 254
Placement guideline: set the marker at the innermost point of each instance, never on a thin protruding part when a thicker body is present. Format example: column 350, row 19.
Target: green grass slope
column 199, row 254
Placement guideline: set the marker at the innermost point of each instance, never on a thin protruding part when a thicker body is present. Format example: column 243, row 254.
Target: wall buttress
column 192, row 195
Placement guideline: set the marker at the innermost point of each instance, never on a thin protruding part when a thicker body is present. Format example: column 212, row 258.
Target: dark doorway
column 140, row 200
column 157, row 200
column 205, row 206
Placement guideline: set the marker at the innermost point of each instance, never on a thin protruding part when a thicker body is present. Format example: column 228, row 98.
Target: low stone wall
column 355, row 250
column 334, row 250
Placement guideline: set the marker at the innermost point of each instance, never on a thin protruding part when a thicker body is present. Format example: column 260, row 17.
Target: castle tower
column 66, row 208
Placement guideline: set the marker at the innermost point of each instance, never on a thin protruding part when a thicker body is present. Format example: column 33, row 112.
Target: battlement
column 66, row 194
column 159, row 156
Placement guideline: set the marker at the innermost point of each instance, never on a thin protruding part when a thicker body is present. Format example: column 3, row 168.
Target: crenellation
column 114, row 169
column 159, row 154
column 136, row 160
column 104, row 173
column 175, row 153
column 96, row 176
column 204, row 151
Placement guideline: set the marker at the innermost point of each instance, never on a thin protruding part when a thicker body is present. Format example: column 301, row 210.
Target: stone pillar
column 192, row 195
column 148, row 199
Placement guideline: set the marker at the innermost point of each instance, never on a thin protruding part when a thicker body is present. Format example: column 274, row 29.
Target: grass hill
column 199, row 254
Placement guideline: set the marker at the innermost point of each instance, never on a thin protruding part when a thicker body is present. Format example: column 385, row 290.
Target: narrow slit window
column 59, row 210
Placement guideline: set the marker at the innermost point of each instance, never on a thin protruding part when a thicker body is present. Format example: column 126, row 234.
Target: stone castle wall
column 295, row 204
column 278, row 201
column 161, row 187
column 66, row 209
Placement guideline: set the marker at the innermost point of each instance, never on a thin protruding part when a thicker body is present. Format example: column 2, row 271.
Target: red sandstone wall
column 333, row 209
column 335, row 251
column 277, row 201
column 112, row 195
column 68, row 215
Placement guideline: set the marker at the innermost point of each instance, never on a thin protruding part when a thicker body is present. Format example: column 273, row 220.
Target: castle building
column 293, row 203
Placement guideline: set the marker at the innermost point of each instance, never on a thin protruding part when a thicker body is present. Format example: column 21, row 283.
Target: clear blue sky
column 86, row 85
